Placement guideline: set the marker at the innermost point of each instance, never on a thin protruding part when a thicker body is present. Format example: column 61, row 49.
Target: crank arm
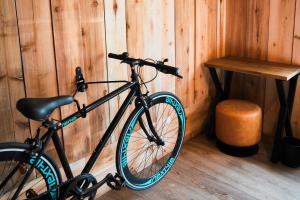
column 92, row 189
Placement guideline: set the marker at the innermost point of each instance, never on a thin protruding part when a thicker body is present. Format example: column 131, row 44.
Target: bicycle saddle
column 41, row 108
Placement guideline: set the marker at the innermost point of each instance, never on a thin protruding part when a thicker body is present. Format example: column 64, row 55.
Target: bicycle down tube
column 108, row 132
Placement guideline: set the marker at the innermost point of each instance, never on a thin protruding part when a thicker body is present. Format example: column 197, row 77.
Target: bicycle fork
column 150, row 137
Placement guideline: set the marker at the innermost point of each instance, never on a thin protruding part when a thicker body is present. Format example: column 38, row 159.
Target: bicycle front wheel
column 142, row 162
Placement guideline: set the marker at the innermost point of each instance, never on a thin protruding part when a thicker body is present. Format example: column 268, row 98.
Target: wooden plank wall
column 43, row 41
column 267, row 30
column 13, row 125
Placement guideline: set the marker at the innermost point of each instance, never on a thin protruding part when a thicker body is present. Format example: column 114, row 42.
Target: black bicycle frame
column 135, row 89
column 53, row 126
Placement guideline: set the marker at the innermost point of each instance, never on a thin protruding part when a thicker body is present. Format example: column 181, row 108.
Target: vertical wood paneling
column 236, row 25
column 35, row 25
column 13, row 126
column 247, row 28
column 257, row 34
column 134, row 30
column 159, row 35
column 221, row 27
column 247, row 36
column 94, row 57
column 115, row 25
column 281, row 26
column 151, row 26
column 69, row 54
column 79, row 36
column 296, row 60
column 185, row 55
column 236, row 28
column 206, row 47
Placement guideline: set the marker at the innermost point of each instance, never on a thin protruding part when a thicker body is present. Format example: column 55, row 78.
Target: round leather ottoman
column 238, row 127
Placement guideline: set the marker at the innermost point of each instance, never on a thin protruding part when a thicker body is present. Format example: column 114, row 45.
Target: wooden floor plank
column 203, row 172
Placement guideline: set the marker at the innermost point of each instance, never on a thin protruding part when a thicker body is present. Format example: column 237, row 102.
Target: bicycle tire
column 17, row 154
column 136, row 181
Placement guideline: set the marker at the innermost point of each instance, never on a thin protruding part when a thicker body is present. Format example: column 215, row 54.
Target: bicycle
column 147, row 148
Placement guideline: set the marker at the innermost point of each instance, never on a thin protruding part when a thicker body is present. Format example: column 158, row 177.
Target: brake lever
column 178, row 74
column 162, row 62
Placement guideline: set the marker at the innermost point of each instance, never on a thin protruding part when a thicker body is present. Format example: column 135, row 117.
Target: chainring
column 78, row 185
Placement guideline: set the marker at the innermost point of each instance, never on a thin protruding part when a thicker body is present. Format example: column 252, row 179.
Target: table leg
column 281, row 121
column 284, row 119
column 227, row 84
column 220, row 94
column 290, row 101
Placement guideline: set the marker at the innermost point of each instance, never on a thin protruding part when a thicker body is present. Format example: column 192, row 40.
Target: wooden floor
column 202, row 172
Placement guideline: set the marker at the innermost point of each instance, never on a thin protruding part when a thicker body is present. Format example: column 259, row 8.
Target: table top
column 255, row 67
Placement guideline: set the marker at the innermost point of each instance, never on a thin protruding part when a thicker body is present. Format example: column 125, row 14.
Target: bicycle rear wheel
column 141, row 162
column 15, row 162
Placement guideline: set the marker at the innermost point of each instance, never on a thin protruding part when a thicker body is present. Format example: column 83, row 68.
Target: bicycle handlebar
column 160, row 66
column 118, row 56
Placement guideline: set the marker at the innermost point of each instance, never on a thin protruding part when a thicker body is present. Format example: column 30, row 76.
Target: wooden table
column 280, row 72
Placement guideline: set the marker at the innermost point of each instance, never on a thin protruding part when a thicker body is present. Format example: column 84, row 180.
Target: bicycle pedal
column 31, row 193
column 115, row 182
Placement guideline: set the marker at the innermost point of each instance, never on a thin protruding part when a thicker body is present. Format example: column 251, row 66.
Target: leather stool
column 238, row 127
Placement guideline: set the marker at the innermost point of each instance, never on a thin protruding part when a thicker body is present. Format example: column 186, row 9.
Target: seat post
column 49, row 124
column 61, row 154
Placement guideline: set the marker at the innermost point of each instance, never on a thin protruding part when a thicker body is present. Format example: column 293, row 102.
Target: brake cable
column 142, row 81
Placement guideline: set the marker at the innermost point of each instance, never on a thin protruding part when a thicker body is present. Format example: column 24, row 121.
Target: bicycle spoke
column 134, row 154
column 9, row 176
column 161, row 131
column 156, row 158
column 135, row 148
column 166, row 132
column 141, row 162
column 154, row 163
column 3, row 171
column 164, row 121
column 162, row 113
column 142, row 152
column 144, row 136
column 138, row 140
column 13, row 188
column 145, row 160
column 144, row 167
column 16, row 194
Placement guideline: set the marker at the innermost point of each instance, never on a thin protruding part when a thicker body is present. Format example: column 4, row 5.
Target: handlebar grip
column 169, row 70
column 118, row 56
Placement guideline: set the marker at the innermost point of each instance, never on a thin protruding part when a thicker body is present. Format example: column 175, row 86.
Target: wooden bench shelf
column 255, row 67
